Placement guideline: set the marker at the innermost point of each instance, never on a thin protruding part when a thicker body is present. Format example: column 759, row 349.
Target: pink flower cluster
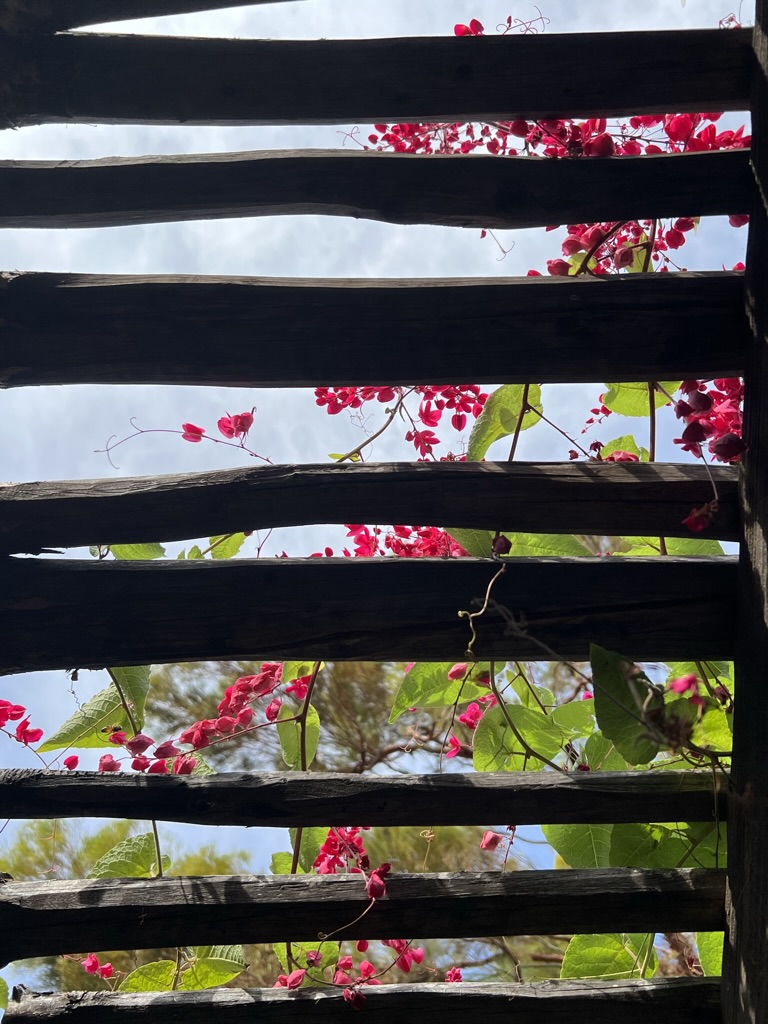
column 342, row 850
column 235, row 712
column 230, row 426
column 91, row 965
column 713, row 415
column 23, row 733
column 137, row 746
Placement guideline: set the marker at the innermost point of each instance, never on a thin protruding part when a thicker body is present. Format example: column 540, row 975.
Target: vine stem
column 133, row 723
column 356, row 452
column 652, row 441
column 519, row 425
column 528, row 750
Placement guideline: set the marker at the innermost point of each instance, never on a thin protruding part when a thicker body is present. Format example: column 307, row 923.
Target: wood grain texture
column 745, row 981
column 548, row 1002
column 46, row 918
column 23, row 17
column 66, row 614
column 94, row 329
column 287, row 799
column 396, row 188
column 113, row 79
column 631, row 499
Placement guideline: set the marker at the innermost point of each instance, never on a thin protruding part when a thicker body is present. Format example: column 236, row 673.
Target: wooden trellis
column 59, row 329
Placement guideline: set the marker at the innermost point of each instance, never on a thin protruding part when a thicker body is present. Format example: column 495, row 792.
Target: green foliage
column 647, row 547
column 633, row 399
column 622, row 696
column 135, row 857
column 105, row 709
column 211, row 966
column 540, row 545
column 137, row 551
column 227, row 545
column 282, row 862
column 154, row 977
column 3, row 995
column 498, row 749
column 290, row 734
column 500, row 417
column 612, row 957
column 710, row 946
column 311, row 840
column 581, row 846
column 478, row 543
column 427, row 686
column 602, row 754
column 297, row 669
column 625, row 443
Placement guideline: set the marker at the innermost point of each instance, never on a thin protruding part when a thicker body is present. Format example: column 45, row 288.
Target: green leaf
column 194, row 553
column 496, row 748
column 633, row 400
column 500, row 416
column 427, row 686
column 330, row 953
column 581, row 846
column 625, row 443
column 710, row 945
column 649, row 546
column 635, row 845
column 602, row 755
column 83, row 729
column 296, row 669
column 714, row 730
column 612, row 957
column 235, row 953
column 576, row 718
column 282, row 862
column 620, row 698
column 639, row 255
column 3, row 994
column 226, row 545
column 478, row 543
column 289, row 734
column 135, row 857
column 538, row 545
column 528, row 692
column 154, row 977
column 312, row 839
column 211, row 971
column 138, row 551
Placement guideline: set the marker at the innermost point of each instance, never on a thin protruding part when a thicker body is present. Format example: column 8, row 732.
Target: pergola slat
column 548, row 1002
column 51, row 917
column 647, row 608
column 161, row 80
column 281, row 332
column 630, row 499
column 290, row 799
column 745, row 981
column 396, row 188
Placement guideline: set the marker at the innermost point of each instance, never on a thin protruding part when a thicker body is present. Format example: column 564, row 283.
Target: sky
column 53, row 432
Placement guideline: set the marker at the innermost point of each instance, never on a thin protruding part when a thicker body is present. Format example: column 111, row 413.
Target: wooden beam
column 397, row 188
column 47, row 918
column 66, row 614
column 548, row 1002
column 283, row 332
column 283, row 799
column 745, row 982
column 629, row 499
column 160, row 80
column 22, row 17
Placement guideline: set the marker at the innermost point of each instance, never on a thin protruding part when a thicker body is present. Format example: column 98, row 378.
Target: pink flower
column 140, row 763
column 354, row 995
column 558, row 268
column 679, row 128
column 344, row 963
column 619, row 456
column 601, row 145
column 107, row 763
column 454, row 746
column 166, row 749
column 453, row 974
column 314, row 958
column 375, row 885
column 71, row 762
column 587, row 695
column 458, row 671
column 727, row 448
column 698, row 519
column 26, row 735
column 490, row 840
column 272, row 709
column 687, row 684
column 158, row 768
column 738, row 220
column 184, row 765
column 192, row 433
column 105, row 971
column 138, row 744
column 295, row 978
column 471, row 716
column 90, row 963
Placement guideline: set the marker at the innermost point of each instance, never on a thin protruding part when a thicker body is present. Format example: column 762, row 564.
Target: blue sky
column 51, row 433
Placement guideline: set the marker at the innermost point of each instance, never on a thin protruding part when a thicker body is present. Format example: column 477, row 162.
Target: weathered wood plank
column 286, row 799
column 111, row 79
column 631, row 499
column 745, row 981
column 82, row 329
column 396, row 188
column 62, row 614
column 548, row 1002
column 46, row 918
column 21, row 17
